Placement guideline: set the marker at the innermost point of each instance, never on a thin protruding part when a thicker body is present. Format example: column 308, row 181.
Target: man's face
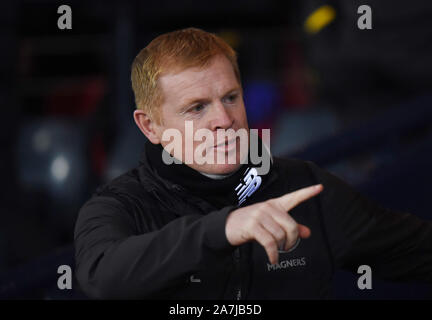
column 210, row 98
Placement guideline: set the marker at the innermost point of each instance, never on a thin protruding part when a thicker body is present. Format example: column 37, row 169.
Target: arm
column 397, row 246
column 113, row 261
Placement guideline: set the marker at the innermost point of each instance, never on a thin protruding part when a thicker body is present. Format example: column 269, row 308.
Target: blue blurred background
column 356, row 102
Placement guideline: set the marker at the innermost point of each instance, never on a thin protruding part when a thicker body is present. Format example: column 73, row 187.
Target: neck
column 218, row 189
column 218, row 176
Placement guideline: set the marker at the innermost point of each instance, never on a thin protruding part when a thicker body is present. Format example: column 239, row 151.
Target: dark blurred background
column 356, row 102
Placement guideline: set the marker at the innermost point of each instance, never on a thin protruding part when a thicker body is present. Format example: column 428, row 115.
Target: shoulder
column 121, row 201
column 120, row 194
column 128, row 183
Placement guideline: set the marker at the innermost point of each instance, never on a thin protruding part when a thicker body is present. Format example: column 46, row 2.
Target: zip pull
column 238, row 272
column 237, row 253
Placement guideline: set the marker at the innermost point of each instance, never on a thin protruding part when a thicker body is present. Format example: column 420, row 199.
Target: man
column 225, row 229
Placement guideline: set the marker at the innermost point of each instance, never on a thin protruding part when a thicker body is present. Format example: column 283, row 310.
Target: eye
column 231, row 98
column 197, row 108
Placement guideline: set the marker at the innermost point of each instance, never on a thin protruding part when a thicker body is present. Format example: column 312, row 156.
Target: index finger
column 292, row 199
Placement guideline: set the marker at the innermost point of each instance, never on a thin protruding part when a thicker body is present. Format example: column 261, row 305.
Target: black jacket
column 143, row 236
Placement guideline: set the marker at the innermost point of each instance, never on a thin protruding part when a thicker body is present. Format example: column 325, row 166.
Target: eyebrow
column 192, row 101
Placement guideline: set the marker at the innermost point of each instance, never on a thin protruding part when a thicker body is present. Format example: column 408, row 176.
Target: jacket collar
column 239, row 190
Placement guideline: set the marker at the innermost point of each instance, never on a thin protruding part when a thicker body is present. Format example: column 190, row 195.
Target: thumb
column 304, row 232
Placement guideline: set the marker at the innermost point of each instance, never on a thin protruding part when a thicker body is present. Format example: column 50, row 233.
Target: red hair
column 174, row 52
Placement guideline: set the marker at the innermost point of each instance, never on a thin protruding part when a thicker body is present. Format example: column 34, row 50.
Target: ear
column 147, row 126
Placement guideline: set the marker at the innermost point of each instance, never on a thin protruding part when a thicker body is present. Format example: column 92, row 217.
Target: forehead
column 215, row 79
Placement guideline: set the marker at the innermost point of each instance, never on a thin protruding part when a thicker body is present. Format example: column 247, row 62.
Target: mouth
column 226, row 146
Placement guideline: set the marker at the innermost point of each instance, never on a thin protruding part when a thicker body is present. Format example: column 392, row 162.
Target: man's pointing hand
column 269, row 223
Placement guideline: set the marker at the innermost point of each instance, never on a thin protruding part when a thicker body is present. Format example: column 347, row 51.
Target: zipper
column 238, row 288
column 238, row 296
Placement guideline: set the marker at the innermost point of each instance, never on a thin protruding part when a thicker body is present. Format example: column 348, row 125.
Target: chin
column 220, row 168
column 225, row 167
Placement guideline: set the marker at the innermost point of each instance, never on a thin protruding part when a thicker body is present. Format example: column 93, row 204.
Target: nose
column 220, row 117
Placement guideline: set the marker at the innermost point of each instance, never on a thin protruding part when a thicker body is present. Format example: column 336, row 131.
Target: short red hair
column 174, row 52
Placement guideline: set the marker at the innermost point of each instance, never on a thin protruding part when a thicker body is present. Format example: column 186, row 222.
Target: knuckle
column 280, row 234
column 292, row 227
column 244, row 236
column 294, row 232
column 252, row 224
column 291, row 242
column 266, row 205
column 281, row 215
column 265, row 208
column 256, row 214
